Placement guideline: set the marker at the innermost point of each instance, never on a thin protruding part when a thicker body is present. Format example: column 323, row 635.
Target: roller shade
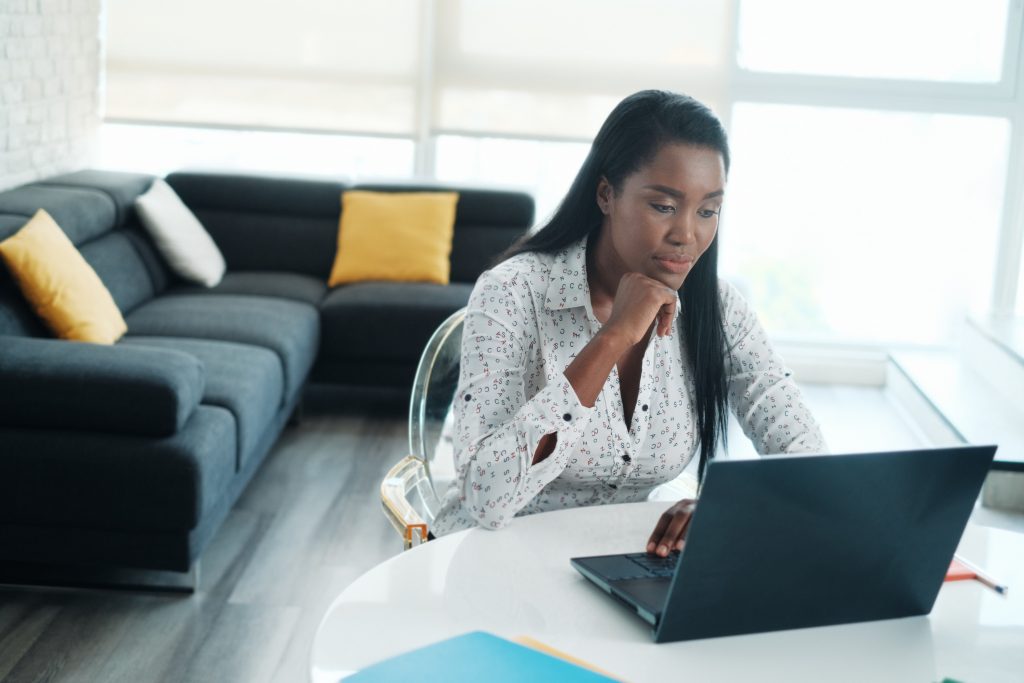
column 343, row 65
column 525, row 67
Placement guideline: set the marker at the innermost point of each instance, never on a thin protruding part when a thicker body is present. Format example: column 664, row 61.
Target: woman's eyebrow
column 672, row 192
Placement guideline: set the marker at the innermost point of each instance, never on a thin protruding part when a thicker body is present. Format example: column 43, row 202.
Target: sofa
column 131, row 455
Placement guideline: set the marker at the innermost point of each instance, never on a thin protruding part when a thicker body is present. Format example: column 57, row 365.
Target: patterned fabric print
column 527, row 319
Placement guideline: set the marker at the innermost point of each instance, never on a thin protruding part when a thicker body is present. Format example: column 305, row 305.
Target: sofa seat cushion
column 288, row 328
column 118, row 481
column 247, row 380
column 385, row 320
column 291, row 286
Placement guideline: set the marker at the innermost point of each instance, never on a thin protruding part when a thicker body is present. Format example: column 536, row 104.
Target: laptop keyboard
column 654, row 566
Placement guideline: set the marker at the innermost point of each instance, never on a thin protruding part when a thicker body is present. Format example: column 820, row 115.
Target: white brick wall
column 49, row 87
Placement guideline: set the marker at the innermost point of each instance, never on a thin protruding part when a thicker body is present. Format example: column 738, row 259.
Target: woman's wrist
column 614, row 342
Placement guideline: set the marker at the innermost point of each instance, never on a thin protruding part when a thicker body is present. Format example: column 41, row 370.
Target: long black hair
column 629, row 139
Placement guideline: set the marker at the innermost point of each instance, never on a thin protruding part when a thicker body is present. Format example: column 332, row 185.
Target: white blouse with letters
column 526, row 320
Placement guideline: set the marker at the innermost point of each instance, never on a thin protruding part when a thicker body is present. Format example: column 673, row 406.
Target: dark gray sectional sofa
column 132, row 455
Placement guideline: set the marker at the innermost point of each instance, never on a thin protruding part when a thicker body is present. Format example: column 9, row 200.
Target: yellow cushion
column 398, row 236
column 63, row 289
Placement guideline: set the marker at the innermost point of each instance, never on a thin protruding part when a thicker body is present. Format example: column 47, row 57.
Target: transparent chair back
column 412, row 490
column 431, row 420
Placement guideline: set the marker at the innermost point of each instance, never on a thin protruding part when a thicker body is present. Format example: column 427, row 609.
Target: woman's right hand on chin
column 640, row 301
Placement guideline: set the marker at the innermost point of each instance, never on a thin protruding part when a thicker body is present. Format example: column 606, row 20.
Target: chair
column 409, row 492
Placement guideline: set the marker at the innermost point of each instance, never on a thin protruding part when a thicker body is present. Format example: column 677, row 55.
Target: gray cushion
column 247, row 380
column 81, row 213
column 52, row 384
column 116, row 260
column 122, row 188
column 288, row 328
column 16, row 318
column 108, row 481
column 385, row 320
column 292, row 286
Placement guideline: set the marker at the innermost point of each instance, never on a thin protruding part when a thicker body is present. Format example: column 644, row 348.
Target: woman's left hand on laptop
column 670, row 532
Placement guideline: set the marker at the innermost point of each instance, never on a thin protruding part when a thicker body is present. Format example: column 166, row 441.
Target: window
column 925, row 94
column 544, row 169
column 860, row 225
column 930, row 40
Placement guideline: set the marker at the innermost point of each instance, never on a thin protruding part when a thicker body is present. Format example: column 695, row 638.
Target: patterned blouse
column 526, row 320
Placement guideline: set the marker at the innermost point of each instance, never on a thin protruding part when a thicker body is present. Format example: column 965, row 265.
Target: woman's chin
column 670, row 280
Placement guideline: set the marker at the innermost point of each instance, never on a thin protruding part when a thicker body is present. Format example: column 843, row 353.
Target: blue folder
column 475, row 657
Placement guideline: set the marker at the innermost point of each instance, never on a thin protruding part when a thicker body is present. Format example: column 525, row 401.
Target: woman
column 604, row 350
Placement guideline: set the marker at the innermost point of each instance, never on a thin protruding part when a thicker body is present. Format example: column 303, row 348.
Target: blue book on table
column 475, row 657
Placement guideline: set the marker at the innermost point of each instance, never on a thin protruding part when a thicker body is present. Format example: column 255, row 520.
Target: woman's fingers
column 674, row 533
column 670, row 531
column 667, row 312
column 639, row 301
column 659, row 530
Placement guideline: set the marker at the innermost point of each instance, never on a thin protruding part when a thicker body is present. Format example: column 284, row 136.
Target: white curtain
column 530, row 68
column 343, row 65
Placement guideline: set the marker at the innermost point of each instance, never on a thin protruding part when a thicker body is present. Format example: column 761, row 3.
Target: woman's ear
column 604, row 195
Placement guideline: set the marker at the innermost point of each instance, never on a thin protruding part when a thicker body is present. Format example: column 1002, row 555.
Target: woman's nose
column 684, row 230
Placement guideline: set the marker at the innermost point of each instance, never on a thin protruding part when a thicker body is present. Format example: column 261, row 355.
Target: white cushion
column 180, row 237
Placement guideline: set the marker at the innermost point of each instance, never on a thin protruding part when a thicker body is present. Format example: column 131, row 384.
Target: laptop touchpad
column 650, row 594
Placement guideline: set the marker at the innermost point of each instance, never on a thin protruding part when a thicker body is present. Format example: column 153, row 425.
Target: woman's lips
column 673, row 264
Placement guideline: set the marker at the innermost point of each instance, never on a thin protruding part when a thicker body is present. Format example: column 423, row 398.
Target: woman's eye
column 664, row 208
column 707, row 213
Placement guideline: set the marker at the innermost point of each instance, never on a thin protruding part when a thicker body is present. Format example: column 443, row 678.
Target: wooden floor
column 308, row 525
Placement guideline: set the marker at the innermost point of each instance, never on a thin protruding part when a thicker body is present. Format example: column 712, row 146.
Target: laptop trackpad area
column 650, row 594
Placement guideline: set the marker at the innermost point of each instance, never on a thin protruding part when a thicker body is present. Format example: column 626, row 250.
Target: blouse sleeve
column 497, row 426
column 765, row 399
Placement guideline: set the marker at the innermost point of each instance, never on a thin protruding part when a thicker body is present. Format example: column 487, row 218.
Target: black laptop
column 786, row 542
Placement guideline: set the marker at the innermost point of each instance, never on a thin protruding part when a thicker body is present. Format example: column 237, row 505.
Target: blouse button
column 567, row 417
column 644, row 407
column 468, row 397
column 626, row 458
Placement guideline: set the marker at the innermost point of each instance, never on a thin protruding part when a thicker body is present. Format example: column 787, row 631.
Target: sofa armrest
column 52, row 384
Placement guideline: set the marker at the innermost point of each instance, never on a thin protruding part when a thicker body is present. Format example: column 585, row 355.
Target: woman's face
column 666, row 214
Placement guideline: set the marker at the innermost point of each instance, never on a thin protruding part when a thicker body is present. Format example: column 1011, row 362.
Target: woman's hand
column 670, row 532
column 639, row 301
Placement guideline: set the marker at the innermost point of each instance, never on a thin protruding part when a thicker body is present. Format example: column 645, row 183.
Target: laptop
column 795, row 541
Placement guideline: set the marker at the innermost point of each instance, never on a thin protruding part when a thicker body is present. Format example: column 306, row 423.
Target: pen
column 982, row 576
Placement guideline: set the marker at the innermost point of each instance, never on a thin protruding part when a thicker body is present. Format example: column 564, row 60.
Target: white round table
column 518, row 581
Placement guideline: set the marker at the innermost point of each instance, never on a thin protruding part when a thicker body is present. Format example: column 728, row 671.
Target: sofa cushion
column 50, row 384
column 179, row 236
column 115, row 258
column 114, row 481
column 487, row 222
column 291, row 286
column 59, row 284
column 247, row 380
column 385, row 320
column 122, row 188
column 288, row 328
column 81, row 213
column 394, row 236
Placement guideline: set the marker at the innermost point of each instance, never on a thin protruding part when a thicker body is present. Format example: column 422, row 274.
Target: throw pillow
column 179, row 236
column 397, row 236
column 59, row 284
